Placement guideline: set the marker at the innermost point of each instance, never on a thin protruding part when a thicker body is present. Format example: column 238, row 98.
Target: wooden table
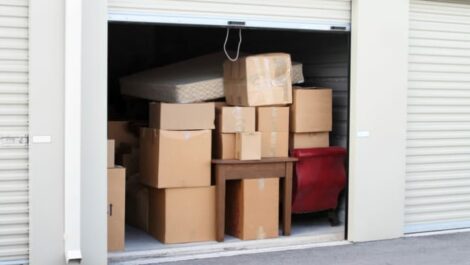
column 252, row 169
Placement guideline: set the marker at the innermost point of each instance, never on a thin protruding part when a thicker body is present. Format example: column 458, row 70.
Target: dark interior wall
column 135, row 47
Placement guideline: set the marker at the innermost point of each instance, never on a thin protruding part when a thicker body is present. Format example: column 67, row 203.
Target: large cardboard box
column 175, row 159
column 224, row 146
column 309, row 140
column 182, row 215
column 248, row 146
column 258, row 80
column 272, row 119
column 312, row 110
column 195, row 116
column 111, row 150
column 116, row 208
column 274, row 144
column 137, row 205
column 235, row 119
column 252, row 212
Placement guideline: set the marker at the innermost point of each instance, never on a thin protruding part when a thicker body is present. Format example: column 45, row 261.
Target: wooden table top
column 262, row 161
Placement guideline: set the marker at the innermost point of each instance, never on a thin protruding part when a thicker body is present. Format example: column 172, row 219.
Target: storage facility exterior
column 409, row 140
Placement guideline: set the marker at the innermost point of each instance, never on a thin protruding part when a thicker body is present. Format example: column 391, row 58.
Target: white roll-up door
column 309, row 14
column 438, row 144
column 14, row 217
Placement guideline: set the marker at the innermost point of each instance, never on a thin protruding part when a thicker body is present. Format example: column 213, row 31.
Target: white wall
column 46, row 118
column 378, row 106
column 94, row 134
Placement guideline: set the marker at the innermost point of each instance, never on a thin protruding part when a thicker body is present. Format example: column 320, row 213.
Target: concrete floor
column 430, row 250
column 312, row 225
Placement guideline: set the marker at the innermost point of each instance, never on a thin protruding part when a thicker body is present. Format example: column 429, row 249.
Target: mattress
column 195, row 80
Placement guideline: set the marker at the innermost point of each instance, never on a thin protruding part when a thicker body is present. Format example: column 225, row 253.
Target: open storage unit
column 135, row 47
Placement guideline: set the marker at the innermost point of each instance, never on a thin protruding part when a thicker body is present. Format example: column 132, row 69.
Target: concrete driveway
column 429, row 250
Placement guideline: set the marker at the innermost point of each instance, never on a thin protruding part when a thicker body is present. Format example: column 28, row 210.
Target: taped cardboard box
column 248, row 146
column 272, row 119
column 274, row 144
column 116, row 208
column 258, row 80
column 196, row 116
column 224, row 146
column 182, row 215
column 137, row 205
column 111, row 149
column 253, row 210
column 235, row 119
column 312, row 110
column 175, row 159
column 309, row 140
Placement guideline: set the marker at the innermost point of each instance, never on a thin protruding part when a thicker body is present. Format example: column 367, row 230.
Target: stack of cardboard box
column 235, row 133
column 273, row 123
column 125, row 135
column 116, row 201
column 311, row 117
column 175, row 163
column 254, row 81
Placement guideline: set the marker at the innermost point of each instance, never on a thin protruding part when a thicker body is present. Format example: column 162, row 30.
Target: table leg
column 287, row 200
column 220, row 203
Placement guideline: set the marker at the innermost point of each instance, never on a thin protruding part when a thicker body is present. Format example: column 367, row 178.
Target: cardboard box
column 116, row 208
column 248, row 146
column 196, row 116
column 111, row 150
column 258, row 80
column 182, row 215
column 175, row 159
column 137, row 205
column 235, row 119
column 123, row 135
column 225, row 146
column 131, row 162
column 274, row 144
column 253, row 209
column 312, row 110
column 272, row 119
column 309, row 140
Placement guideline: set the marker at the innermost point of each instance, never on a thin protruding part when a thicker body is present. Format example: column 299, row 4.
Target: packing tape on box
column 239, row 119
column 187, row 135
column 274, row 116
column 261, row 184
column 273, row 144
column 260, row 233
column 283, row 77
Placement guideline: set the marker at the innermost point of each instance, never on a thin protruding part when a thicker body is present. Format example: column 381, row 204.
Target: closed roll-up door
column 311, row 14
column 14, row 217
column 438, row 144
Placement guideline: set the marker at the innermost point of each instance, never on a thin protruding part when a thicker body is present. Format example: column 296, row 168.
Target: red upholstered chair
column 319, row 177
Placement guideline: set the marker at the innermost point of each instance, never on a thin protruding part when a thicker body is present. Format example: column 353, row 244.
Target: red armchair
column 319, row 178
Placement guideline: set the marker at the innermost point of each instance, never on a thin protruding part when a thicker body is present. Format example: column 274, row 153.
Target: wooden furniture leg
column 220, row 203
column 287, row 201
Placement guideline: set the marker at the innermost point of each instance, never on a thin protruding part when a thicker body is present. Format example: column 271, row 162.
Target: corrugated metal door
column 14, row 217
column 438, row 144
column 321, row 14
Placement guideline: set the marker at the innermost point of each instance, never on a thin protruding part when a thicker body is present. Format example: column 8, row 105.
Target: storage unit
column 14, row 120
column 438, row 131
column 167, row 44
